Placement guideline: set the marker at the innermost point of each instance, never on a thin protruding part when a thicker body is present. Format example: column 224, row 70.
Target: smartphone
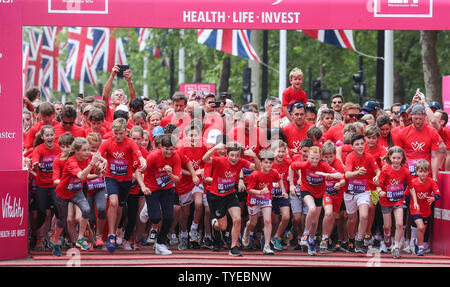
column 81, row 95
column 122, row 68
column 216, row 104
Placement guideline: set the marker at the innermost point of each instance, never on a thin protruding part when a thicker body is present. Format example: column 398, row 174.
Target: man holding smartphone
column 118, row 96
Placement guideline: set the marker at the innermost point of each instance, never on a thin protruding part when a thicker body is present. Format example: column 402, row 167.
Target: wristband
column 436, row 197
column 241, row 178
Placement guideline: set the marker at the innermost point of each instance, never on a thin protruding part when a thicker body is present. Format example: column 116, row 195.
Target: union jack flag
column 338, row 38
column 25, row 58
column 79, row 64
column 53, row 73
column 144, row 35
column 107, row 50
column 233, row 42
column 34, row 69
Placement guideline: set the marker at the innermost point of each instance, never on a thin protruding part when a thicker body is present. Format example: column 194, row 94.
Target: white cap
column 122, row 107
column 212, row 135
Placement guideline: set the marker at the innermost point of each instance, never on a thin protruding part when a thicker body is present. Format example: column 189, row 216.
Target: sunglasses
column 68, row 123
column 353, row 115
column 298, row 105
column 337, row 102
column 397, row 112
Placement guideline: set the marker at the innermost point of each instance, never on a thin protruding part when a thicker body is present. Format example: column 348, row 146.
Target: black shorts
column 317, row 201
column 426, row 220
column 176, row 199
column 242, row 196
column 219, row 205
column 278, row 202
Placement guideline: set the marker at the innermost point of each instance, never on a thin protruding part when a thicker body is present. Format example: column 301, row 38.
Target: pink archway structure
column 224, row 14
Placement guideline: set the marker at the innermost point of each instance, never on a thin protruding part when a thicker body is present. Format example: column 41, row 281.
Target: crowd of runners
column 199, row 171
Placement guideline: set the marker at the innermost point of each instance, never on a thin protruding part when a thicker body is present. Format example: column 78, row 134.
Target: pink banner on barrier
column 446, row 94
column 78, row 6
column 14, row 215
column 441, row 220
column 403, row 8
column 203, row 88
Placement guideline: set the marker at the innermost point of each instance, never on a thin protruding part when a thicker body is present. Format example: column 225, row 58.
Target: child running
column 313, row 174
column 393, row 177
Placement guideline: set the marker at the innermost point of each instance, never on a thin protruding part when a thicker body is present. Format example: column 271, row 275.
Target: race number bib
column 329, row 187
column 96, row 183
column 276, row 192
column 46, row 164
column 225, row 185
column 314, row 179
column 118, row 167
column 356, row 186
column 394, row 192
column 75, row 184
column 412, row 163
column 260, row 200
column 162, row 179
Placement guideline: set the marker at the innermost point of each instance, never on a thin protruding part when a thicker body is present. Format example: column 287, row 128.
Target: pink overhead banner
column 237, row 14
column 446, row 94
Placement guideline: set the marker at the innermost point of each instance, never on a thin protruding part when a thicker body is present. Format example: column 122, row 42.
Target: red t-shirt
column 194, row 155
column 294, row 136
column 290, row 97
column 330, row 183
column 283, row 171
column 335, row 133
column 259, row 180
column 70, row 184
column 346, row 150
column 76, row 131
column 120, row 158
column 311, row 182
column 383, row 144
column 360, row 183
column 45, row 157
column 134, row 188
column 423, row 190
column 225, row 175
column 393, row 183
column 377, row 154
column 418, row 144
column 155, row 177
column 58, row 166
column 102, row 133
column 207, row 172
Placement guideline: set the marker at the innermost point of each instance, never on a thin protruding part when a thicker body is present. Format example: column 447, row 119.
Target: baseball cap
column 212, row 135
column 122, row 107
column 435, row 105
column 404, row 108
column 370, row 106
column 418, row 109
column 158, row 130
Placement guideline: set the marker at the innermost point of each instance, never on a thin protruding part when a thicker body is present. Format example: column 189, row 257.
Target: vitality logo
column 403, row 8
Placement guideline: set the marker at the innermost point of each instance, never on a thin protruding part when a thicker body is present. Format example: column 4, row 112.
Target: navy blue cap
column 370, row 106
column 404, row 108
column 435, row 105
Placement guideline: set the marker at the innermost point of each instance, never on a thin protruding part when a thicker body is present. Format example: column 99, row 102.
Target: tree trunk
column 198, row 71
column 431, row 71
column 399, row 89
column 225, row 75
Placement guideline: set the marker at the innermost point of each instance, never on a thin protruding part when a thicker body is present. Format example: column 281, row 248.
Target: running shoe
column 311, row 248
column 251, row 242
column 126, row 245
column 304, row 240
column 137, row 245
column 56, row 250
column 367, row 240
column 323, row 247
column 351, row 245
column 207, row 243
column 416, row 247
column 161, row 249
column 396, row 253
column 234, row 251
column 40, row 245
column 388, row 241
column 183, row 245
column 99, row 241
column 420, row 251
column 359, row 246
column 276, row 244
column 267, row 250
column 111, row 243
column 119, row 236
column 343, row 246
column 152, row 236
column 383, row 248
column 173, row 239
column 194, row 235
column 82, row 243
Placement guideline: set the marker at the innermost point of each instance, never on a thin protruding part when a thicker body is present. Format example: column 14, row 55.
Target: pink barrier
column 441, row 221
column 14, row 215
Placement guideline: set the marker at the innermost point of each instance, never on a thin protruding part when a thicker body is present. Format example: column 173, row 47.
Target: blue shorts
column 120, row 188
column 278, row 202
column 414, row 217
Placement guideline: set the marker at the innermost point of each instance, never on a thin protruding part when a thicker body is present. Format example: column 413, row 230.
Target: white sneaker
column 119, row 236
column 267, row 250
column 173, row 239
column 161, row 249
column 427, row 247
column 126, row 245
column 407, row 247
column 245, row 238
column 143, row 216
column 383, row 248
